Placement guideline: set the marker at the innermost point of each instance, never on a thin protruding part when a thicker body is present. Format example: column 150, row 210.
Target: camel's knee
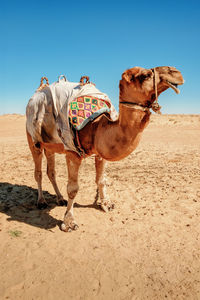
column 72, row 189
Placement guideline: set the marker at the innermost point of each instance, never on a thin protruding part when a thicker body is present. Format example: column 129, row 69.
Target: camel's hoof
column 72, row 226
column 62, row 203
column 42, row 205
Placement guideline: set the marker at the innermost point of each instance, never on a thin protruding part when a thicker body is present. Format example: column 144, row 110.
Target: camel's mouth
column 174, row 86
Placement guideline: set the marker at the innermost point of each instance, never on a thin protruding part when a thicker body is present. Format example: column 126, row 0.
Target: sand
column 148, row 247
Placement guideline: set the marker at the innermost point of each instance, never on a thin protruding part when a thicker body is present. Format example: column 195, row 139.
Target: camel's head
column 140, row 86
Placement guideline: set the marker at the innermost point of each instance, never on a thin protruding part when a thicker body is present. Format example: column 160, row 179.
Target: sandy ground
column 147, row 248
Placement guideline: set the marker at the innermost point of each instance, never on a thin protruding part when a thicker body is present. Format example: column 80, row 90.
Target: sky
column 100, row 39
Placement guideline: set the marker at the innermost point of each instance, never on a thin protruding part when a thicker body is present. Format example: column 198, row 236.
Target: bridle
column 154, row 106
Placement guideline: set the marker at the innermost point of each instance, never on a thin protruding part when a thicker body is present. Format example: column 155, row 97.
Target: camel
column 107, row 140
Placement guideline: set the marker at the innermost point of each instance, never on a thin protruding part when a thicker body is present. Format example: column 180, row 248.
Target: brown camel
column 106, row 139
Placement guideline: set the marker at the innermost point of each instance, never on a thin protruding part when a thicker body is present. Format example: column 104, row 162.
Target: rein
column 154, row 106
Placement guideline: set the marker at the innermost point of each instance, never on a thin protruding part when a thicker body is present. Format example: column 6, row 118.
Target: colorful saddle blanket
column 85, row 109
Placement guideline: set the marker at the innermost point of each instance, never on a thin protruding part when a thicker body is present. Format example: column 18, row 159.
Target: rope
column 155, row 106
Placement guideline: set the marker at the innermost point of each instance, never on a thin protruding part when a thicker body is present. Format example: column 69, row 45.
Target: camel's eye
column 143, row 77
column 133, row 78
column 146, row 75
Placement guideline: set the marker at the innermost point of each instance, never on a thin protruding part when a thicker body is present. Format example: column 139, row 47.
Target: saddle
column 85, row 109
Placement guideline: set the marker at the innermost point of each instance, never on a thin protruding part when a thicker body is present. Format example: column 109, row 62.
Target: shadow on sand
column 18, row 202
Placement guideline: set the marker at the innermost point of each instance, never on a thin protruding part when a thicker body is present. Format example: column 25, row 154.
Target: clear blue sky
column 100, row 39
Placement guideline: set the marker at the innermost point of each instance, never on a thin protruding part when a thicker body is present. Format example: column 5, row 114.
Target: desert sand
column 148, row 247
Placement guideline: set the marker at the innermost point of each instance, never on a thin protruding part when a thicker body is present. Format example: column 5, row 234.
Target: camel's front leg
column 101, row 185
column 73, row 164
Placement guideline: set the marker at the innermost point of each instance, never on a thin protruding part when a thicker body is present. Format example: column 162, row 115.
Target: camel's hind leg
column 73, row 164
column 50, row 156
column 101, row 185
column 36, row 150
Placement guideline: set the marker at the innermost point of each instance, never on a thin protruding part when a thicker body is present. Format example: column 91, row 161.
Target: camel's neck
column 118, row 139
column 132, row 117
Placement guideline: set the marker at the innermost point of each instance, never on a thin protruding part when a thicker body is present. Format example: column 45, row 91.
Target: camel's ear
column 128, row 76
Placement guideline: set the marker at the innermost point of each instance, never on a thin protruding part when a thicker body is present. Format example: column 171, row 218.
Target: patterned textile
column 86, row 108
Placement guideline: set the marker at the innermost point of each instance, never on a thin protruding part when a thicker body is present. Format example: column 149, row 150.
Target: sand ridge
column 147, row 248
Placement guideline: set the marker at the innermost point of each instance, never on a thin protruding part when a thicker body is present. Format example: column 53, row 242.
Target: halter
column 154, row 106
